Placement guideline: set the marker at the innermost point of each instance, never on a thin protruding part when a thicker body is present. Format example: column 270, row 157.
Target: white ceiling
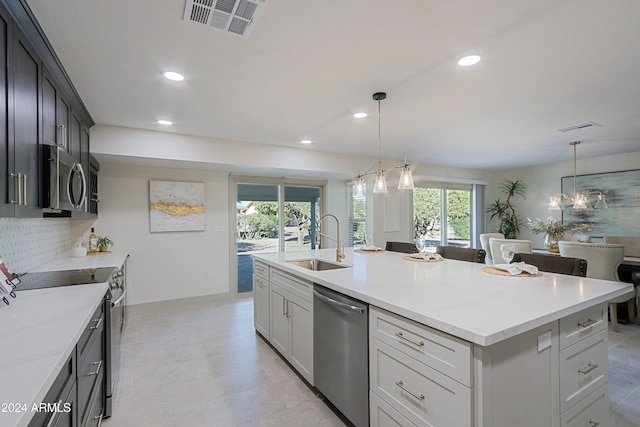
column 308, row 65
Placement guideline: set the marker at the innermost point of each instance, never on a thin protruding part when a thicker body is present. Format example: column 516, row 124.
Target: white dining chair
column 603, row 260
column 484, row 243
column 631, row 249
column 522, row 247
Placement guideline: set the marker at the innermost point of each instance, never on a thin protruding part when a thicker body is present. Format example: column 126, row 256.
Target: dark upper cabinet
column 6, row 161
column 38, row 106
column 26, row 125
column 56, row 110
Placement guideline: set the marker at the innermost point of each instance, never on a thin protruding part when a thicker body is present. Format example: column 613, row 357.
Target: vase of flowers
column 553, row 231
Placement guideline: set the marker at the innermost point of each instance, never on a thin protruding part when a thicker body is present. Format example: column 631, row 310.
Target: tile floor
column 198, row 363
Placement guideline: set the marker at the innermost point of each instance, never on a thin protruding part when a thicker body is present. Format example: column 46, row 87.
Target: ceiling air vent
column 231, row 16
column 581, row 126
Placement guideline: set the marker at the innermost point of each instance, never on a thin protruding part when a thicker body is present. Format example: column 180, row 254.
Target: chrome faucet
column 339, row 250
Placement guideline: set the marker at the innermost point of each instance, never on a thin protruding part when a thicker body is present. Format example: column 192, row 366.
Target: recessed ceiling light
column 305, row 141
column 172, row 75
column 469, row 60
column 360, row 115
column 165, row 122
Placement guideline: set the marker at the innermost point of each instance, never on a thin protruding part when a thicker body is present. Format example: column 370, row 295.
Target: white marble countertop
column 455, row 297
column 39, row 331
column 111, row 259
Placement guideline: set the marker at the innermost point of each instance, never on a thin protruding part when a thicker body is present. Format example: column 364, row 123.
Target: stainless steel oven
column 115, row 322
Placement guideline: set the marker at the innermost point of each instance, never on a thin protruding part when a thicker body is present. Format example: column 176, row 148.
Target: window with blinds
column 357, row 210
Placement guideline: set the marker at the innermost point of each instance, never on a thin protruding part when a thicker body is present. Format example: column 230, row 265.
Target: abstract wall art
column 176, row 206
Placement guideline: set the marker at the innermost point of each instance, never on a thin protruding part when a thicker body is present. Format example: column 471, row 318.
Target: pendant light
column 380, row 183
column 579, row 201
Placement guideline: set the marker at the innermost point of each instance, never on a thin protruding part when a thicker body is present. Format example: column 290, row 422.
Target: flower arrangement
column 553, row 227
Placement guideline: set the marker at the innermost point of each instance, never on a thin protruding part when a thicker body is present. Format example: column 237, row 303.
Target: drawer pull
column 588, row 323
column 593, row 423
column 99, row 363
column 588, row 369
column 53, row 415
column 402, row 337
column 401, row 385
column 97, row 324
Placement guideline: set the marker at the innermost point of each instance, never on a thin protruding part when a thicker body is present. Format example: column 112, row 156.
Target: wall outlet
column 218, row 229
column 206, row 275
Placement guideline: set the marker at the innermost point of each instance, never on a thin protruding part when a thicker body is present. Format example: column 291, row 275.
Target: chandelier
column 579, row 201
column 380, row 183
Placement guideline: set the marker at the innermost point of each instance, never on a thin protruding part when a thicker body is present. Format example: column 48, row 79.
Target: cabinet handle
column 24, row 193
column 588, row 369
column 284, row 310
column 97, row 324
column 588, row 323
column 288, row 315
column 19, row 176
column 402, row 337
column 417, row 397
column 53, row 416
column 593, row 423
column 97, row 371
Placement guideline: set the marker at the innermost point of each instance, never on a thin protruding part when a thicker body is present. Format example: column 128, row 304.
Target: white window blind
column 357, row 209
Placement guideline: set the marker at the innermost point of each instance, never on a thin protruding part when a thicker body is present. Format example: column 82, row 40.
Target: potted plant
column 553, row 231
column 103, row 243
column 505, row 211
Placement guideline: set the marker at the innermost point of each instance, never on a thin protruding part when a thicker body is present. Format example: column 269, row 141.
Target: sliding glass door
column 273, row 217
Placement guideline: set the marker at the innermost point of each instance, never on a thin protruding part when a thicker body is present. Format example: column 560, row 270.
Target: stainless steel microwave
column 65, row 184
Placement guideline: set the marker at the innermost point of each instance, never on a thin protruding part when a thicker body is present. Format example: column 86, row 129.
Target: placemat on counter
column 409, row 258
column 362, row 251
column 498, row 272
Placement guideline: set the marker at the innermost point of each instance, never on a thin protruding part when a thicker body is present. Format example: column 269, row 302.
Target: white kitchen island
column 477, row 349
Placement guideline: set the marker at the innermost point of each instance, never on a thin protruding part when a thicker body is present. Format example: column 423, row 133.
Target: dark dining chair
column 405, row 247
column 462, row 254
column 555, row 263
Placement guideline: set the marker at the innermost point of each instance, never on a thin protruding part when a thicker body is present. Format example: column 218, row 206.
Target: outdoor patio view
column 441, row 217
column 273, row 217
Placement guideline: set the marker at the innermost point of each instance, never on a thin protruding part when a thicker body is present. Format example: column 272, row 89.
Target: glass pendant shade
column 406, row 179
column 380, row 186
column 601, row 203
column 555, row 203
column 358, row 187
column 580, row 202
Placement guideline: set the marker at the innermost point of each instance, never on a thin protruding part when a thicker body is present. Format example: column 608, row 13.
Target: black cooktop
column 52, row 279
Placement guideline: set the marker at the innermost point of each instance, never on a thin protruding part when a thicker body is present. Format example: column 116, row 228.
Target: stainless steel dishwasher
column 341, row 353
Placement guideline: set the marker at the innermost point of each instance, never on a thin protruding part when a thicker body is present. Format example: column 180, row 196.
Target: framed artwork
column 176, row 206
column 622, row 194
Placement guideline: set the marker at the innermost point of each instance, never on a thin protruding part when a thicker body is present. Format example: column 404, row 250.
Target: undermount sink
column 317, row 264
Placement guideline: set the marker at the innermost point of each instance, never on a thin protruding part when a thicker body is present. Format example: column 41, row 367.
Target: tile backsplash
column 26, row 243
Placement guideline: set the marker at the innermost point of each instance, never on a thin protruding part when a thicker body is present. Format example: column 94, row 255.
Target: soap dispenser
column 78, row 250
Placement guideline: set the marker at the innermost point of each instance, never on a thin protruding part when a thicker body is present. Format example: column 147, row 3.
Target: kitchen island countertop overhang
column 453, row 296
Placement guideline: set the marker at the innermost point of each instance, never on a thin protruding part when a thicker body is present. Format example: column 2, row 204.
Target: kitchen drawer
column 581, row 325
column 383, row 415
column 449, row 355
column 58, row 391
column 90, row 331
column 416, row 390
column 583, row 369
column 295, row 285
column 260, row 269
column 260, row 281
column 90, row 376
column 94, row 414
column 592, row 411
